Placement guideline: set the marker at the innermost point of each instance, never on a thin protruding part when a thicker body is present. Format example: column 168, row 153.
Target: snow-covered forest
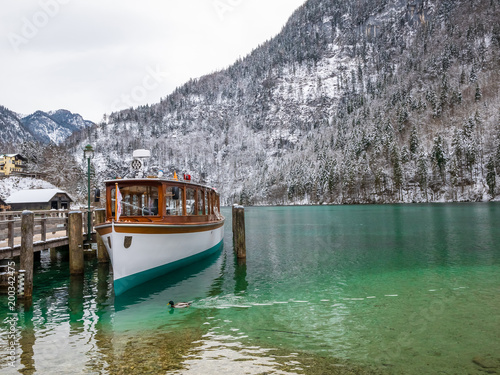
column 353, row 102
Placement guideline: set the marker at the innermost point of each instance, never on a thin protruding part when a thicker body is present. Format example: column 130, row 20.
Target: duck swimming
column 179, row 305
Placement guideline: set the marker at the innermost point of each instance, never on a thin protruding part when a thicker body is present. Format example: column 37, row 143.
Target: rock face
column 488, row 363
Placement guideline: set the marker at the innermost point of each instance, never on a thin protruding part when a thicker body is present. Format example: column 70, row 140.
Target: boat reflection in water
column 146, row 305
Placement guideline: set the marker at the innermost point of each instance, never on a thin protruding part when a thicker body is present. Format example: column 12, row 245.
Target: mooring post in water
column 75, row 237
column 233, row 215
column 53, row 254
column 239, row 231
column 102, row 253
column 26, row 255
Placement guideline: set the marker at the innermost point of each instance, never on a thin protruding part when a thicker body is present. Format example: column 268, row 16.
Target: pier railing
column 26, row 233
column 50, row 230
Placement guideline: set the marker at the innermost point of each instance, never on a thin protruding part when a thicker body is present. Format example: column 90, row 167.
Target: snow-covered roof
column 12, row 156
column 34, row 196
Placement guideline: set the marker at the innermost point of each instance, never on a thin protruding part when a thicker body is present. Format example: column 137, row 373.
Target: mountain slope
column 11, row 129
column 45, row 127
column 366, row 101
column 54, row 127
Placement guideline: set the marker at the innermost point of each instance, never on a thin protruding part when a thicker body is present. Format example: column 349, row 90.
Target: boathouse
column 39, row 199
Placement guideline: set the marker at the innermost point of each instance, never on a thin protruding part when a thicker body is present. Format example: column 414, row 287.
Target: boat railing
column 143, row 209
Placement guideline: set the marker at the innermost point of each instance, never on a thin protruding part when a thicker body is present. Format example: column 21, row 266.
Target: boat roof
column 155, row 179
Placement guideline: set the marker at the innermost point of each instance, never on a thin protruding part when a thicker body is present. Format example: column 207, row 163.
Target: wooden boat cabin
column 163, row 201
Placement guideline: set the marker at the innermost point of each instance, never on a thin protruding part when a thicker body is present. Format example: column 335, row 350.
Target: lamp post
column 88, row 153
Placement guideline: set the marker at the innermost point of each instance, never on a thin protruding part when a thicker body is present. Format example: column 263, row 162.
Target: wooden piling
column 75, row 237
column 102, row 252
column 233, row 215
column 239, row 231
column 10, row 218
column 26, row 255
column 43, row 225
column 53, row 254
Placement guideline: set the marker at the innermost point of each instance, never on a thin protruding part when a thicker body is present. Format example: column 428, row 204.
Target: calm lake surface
column 408, row 289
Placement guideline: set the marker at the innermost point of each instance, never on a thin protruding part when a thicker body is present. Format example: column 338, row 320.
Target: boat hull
column 141, row 252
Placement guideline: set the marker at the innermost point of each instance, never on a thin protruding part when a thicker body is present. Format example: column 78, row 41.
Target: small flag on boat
column 118, row 203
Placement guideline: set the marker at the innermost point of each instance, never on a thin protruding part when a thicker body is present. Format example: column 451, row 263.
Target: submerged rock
column 487, row 362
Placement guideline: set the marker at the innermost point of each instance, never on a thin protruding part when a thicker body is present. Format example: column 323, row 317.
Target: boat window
column 173, row 199
column 201, row 205
column 211, row 202
column 136, row 200
column 190, row 201
column 207, row 202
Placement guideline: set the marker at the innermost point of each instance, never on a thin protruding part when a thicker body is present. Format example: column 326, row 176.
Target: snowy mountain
column 55, row 126
column 45, row 127
column 11, row 128
column 353, row 102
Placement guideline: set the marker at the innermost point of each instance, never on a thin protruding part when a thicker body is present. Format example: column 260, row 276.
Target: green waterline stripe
column 128, row 282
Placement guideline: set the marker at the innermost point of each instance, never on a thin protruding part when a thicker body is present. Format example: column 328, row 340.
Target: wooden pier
column 50, row 230
column 24, row 234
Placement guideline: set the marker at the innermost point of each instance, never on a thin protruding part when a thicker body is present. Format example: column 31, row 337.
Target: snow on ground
column 10, row 185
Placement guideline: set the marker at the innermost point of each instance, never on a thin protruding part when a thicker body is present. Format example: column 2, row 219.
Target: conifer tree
column 438, row 155
column 491, row 176
column 478, row 95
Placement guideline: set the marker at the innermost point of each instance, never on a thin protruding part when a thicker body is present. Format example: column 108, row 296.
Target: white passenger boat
column 156, row 225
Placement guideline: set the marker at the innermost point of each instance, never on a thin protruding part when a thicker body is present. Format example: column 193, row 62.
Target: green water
column 407, row 289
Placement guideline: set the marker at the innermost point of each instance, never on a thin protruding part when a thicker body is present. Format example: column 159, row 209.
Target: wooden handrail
column 34, row 211
column 45, row 221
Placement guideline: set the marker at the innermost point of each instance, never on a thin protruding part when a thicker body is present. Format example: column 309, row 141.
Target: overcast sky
column 96, row 56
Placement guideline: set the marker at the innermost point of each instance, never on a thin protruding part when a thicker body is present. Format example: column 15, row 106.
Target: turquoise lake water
column 407, row 289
